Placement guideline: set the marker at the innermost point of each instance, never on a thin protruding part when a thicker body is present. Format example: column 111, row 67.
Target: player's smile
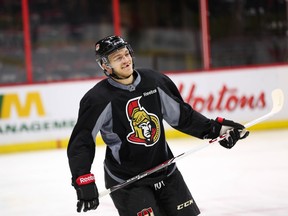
column 126, row 66
column 127, row 69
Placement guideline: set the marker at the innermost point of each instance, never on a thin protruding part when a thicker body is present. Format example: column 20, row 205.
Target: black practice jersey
column 130, row 120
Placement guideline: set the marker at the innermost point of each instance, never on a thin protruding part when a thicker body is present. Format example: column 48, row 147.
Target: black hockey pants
column 167, row 197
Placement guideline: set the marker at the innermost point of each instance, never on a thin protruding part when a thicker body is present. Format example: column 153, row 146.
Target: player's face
column 121, row 62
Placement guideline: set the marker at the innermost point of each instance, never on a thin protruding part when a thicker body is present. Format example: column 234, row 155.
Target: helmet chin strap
column 115, row 76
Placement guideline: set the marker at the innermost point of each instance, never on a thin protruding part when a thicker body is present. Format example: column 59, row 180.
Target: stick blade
column 278, row 100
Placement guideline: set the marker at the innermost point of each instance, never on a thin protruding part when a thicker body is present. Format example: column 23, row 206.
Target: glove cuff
column 220, row 120
column 229, row 123
column 85, row 179
column 214, row 130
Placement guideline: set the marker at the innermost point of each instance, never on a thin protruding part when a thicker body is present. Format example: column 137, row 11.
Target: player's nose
column 125, row 58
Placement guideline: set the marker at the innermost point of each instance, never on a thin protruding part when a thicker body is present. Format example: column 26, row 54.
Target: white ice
column 251, row 179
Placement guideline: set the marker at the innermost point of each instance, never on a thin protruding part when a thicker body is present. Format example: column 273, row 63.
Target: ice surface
column 251, row 179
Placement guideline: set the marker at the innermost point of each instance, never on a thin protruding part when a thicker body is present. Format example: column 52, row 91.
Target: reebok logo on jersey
column 145, row 126
column 149, row 92
column 85, row 179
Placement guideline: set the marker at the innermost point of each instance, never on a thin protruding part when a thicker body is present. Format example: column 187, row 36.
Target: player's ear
column 107, row 68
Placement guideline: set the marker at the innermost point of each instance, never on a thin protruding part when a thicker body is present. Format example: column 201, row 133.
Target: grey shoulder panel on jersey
column 104, row 124
column 170, row 108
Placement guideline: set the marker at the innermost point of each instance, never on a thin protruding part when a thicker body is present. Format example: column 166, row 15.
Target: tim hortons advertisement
column 32, row 113
column 227, row 99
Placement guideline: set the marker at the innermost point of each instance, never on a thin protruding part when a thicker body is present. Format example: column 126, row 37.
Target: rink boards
column 42, row 116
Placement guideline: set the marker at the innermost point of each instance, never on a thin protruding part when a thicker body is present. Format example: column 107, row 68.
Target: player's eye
column 118, row 58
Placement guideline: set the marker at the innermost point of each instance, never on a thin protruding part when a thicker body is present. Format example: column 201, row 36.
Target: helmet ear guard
column 105, row 61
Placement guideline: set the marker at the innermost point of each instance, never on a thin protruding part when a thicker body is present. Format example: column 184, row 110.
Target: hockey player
column 127, row 109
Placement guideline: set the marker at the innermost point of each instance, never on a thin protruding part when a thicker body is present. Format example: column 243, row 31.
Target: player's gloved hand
column 87, row 193
column 232, row 131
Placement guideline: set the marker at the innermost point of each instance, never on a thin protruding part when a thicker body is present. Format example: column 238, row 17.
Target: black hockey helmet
column 107, row 45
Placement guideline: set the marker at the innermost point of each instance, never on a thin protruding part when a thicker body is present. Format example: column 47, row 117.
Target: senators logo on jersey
column 145, row 126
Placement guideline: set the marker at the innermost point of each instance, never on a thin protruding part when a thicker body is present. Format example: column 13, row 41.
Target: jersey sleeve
column 81, row 146
column 180, row 115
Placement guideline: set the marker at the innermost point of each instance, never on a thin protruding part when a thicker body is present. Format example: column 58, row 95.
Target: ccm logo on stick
column 184, row 205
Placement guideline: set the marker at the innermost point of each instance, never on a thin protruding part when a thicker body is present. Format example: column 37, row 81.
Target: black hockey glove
column 233, row 132
column 87, row 193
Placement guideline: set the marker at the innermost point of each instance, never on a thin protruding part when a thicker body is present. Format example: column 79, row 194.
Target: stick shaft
column 153, row 170
column 258, row 120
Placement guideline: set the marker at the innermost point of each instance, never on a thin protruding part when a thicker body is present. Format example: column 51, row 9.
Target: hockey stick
column 277, row 100
column 277, row 104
